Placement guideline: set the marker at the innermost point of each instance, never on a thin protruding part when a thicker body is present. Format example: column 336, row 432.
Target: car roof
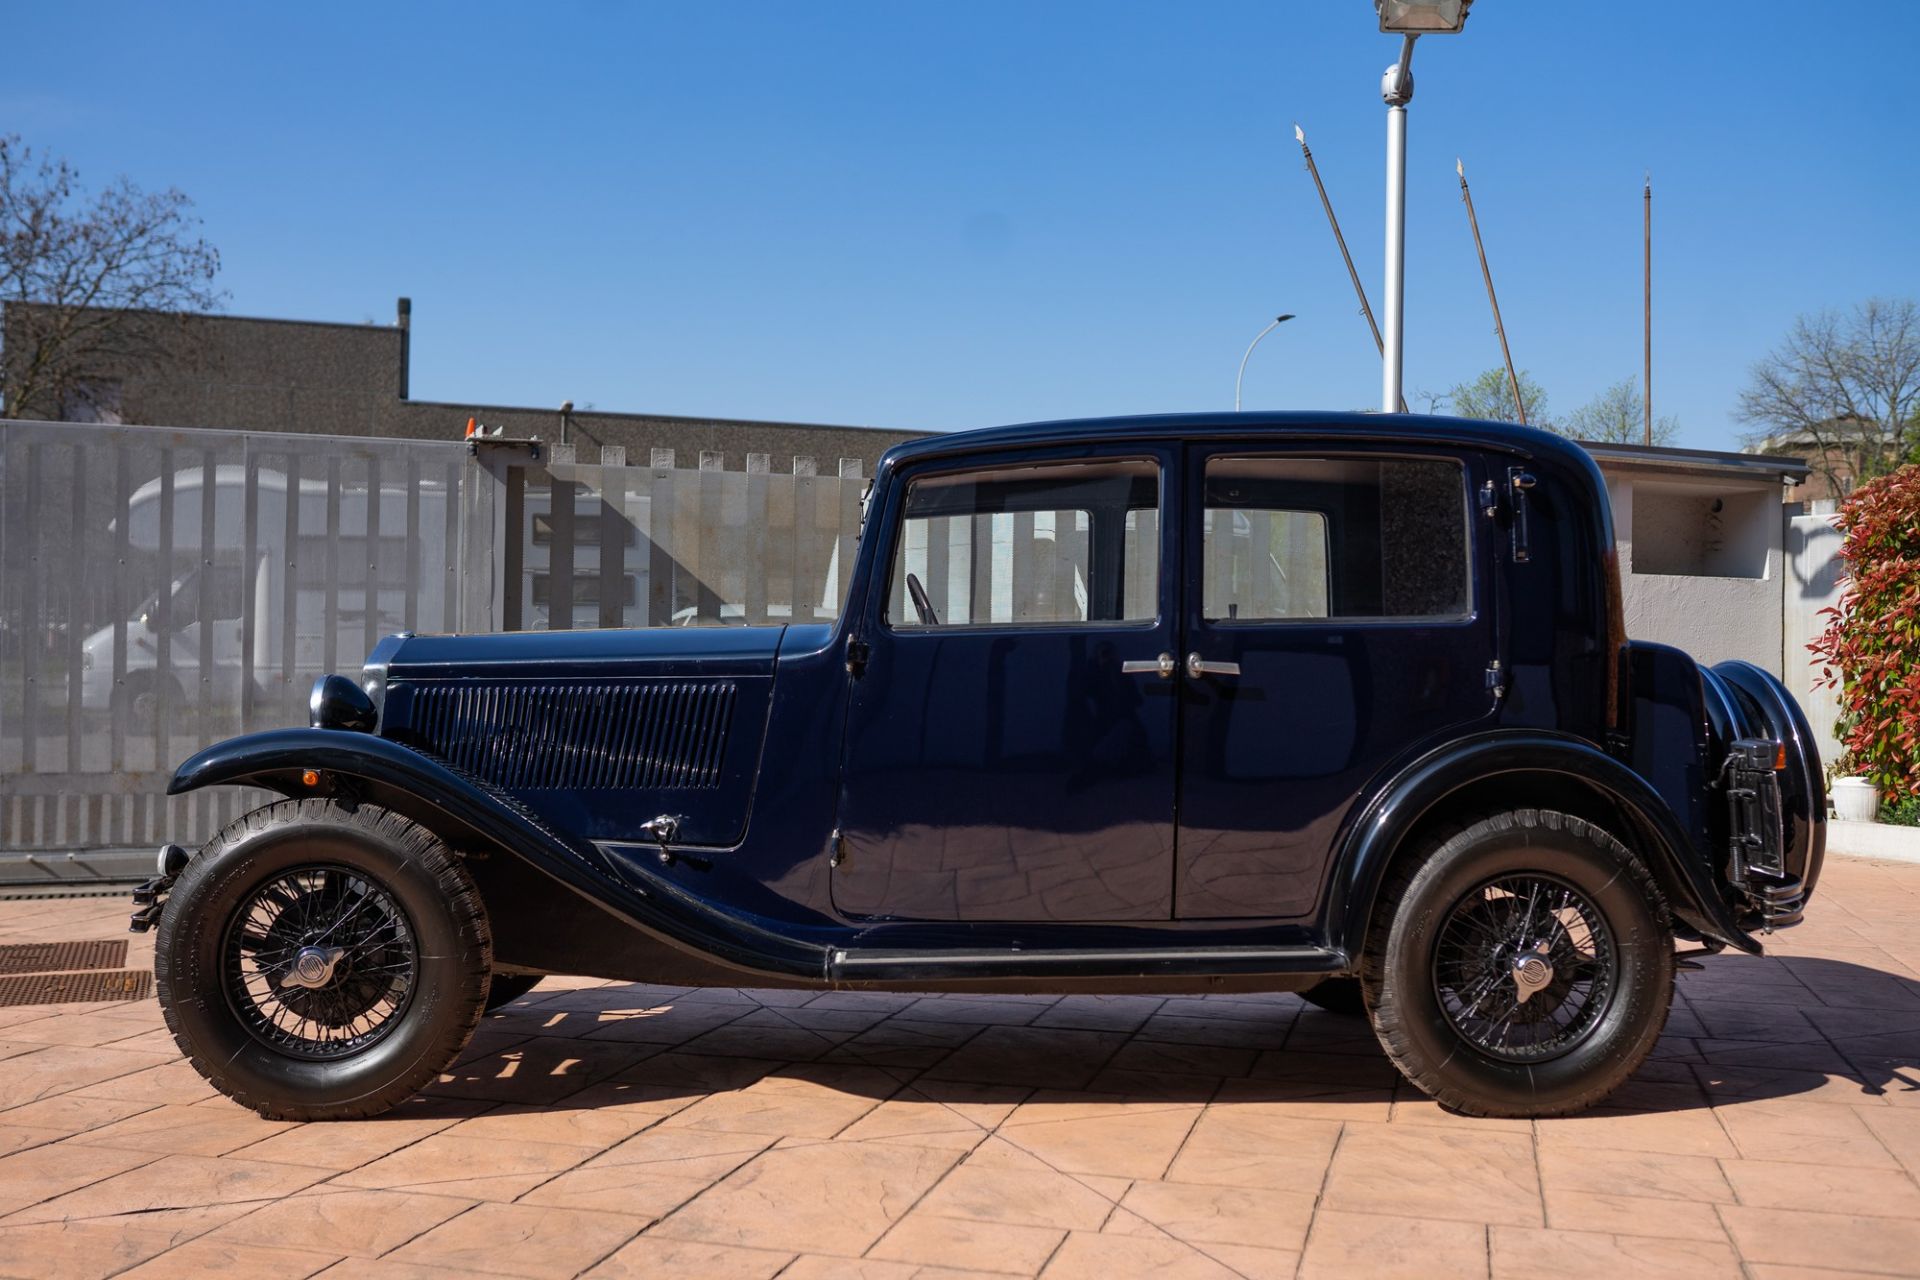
column 1373, row 428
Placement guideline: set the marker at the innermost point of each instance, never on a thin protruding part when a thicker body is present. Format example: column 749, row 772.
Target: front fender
column 439, row 797
column 1396, row 812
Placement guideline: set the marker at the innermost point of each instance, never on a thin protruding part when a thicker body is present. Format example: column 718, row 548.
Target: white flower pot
column 1856, row 800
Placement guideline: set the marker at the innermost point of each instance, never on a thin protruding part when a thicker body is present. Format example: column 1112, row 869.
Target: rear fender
column 464, row 809
column 1401, row 810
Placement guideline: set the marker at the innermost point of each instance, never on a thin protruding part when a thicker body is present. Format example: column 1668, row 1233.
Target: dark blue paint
column 1163, row 830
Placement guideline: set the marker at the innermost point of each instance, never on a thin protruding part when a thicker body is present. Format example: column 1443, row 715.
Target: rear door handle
column 1198, row 666
column 1162, row 666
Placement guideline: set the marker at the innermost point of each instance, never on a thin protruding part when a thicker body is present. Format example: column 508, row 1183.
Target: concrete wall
column 1702, row 580
column 1813, row 582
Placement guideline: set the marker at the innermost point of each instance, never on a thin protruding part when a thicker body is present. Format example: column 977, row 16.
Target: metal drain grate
column 62, row 957
column 75, row 988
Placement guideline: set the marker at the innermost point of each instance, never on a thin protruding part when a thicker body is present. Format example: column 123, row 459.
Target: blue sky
column 947, row 215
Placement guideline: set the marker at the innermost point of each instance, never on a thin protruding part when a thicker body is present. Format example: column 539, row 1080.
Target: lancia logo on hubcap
column 1532, row 972
column 313, row 967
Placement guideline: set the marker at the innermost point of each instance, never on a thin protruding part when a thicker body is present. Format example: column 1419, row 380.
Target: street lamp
column 1277, row 322
column 1408, row 19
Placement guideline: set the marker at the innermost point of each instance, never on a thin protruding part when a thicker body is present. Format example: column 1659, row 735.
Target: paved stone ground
column 640, row 1131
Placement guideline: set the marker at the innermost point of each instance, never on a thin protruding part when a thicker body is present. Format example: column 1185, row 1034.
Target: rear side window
column 1291, row 538
column 1049, row 545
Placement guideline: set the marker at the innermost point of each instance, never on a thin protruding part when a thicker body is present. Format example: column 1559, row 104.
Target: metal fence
column 599, row 543
column 163, row 589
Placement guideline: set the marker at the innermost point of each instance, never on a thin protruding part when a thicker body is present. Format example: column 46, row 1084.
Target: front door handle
column 1162, row 666
column 1198, row 666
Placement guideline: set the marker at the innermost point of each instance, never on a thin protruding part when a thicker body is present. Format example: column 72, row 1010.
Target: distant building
column 253, row 374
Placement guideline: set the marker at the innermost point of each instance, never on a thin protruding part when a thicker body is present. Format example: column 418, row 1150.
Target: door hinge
column 1496, row 680
column 837, row 843
column 858, row 652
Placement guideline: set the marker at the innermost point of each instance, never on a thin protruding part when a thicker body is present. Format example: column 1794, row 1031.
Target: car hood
column 654, row 651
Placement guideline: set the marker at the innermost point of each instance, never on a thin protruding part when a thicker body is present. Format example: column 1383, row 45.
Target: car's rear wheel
column 322, row 961
column 1522, row 967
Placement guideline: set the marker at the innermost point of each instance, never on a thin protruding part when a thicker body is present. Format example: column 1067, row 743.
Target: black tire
column 362, row 860
column 508, row 987
column 1449, row 894
column 1338, row 995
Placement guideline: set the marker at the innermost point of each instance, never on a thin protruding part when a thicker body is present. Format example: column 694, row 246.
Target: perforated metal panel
column 641, row 735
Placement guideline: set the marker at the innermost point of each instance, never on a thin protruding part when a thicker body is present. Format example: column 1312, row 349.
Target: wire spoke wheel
column 1524, row 967
column 319, row 963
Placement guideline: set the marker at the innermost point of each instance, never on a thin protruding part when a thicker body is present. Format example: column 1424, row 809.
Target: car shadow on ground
column 1743, row 1029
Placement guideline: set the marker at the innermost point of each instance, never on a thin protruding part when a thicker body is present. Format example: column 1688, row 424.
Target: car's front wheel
column 322, row 961
column 1523, row 967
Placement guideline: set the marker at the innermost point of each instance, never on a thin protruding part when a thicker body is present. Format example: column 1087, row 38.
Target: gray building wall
column 250, row 374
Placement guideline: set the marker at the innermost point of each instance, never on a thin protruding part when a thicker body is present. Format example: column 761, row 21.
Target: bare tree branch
column 107, row 280
column 1844, row 390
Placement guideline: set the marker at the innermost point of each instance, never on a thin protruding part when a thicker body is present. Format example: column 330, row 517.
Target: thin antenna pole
column 1647, row 327
column 1513, row 379
column 1360, row 290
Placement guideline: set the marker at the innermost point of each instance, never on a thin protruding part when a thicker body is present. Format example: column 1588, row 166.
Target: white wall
column 1725, row 601
column 1812, row 583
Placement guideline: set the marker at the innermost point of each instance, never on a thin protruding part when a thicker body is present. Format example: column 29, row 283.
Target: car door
column 1335, row 619
column 1010, row 744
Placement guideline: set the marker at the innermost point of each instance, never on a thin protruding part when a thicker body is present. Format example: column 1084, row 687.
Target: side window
column 1048, row 545
column 1301, row 538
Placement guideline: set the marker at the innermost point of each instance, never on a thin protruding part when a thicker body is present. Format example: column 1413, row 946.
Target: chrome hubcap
column 1532, row 972
column 313, row 967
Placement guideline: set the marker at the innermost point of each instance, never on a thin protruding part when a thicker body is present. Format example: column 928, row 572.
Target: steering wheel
column 922, row 605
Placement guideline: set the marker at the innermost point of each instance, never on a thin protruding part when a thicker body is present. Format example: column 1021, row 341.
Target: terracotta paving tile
column 43, row 1173
column 1100, row 1013
column 959, row 1242
column 18, row 1138
column 171, row 1182
column 960, row 1009
column 1040, row 1057
column 858, row 1190
column 172, row 1082
column 62, row 1068
column 541, row 1070
column 348, row 1144
column 1133, row 1144
column 1280, row 1152
column 652, row 1258
column 72, row 1113
column 635, row 1190
column 702, row 1154
column 1686, row 1133
column 216, row 1258
column 1824, row 1188
column 948, row 1109
column 1410, row 1106
column 1568, row 1168
column 1489, row 1177
column 1797, row 1238
column 1306, row 1100
column 359, row 1223
column 1086, row 1256
column 1192, row 1060
column 1350, row 1070
column 1728, row 1084
column 178, row 1130
column 1223, row 1215
column 1634, row 1215
column 1379, row 1246
column 1804, row 1133
column 1526, row 1253
column 1233, row 1033
column 388, row 1269
column 75, row 1250
column 474, row 1168
column 521, row 1240
column 1000, row 1183
column 814, row 1102
column 1898, row 1131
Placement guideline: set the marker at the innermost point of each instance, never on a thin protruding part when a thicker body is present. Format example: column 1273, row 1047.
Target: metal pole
column 1277, row 322
column 1359, row 290
column 1397, row 90
column 1513, row 379
column 1647, row 294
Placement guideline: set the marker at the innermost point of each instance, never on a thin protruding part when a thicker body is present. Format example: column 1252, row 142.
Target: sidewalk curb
column 1875, row 840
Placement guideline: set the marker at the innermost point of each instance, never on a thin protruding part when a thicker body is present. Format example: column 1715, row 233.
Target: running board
column 918, row 966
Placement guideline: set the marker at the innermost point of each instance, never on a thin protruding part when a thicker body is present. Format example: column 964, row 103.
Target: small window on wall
column 1052, row 545
column 1287, row 538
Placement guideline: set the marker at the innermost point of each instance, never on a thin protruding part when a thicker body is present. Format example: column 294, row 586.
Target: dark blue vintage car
column 1332, row 704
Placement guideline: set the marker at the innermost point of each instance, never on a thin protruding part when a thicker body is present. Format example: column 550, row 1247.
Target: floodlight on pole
column 1408, row 19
